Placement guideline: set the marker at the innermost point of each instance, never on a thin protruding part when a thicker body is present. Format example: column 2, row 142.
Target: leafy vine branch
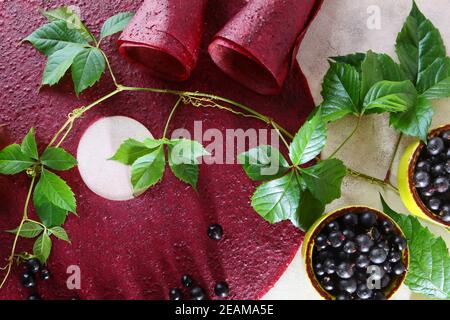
column 305, row 190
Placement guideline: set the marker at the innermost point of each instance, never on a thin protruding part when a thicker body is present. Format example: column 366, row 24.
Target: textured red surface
column 165, row 36
column 139, row 249
column 255, row 47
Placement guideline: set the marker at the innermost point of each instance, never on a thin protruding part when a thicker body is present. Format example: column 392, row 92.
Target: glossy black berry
column 45, row 274
column 222, row 290
column 363, row 292
column 377, row 255
column 429, row 191
column 215, row 232
column 343, row 296
column 34, row 297
column 362, row 261
column 447, row 166
column 329, row 266
column 385, row 281
column 442, row 184
column 348, row 285
column 345, row 270
column 387, row 267
column 446, row 136
column 336, row 239
column 364, row 242
column 27, row 279
column 386, row 227
column 197, row 293
column 375, row 234
column 187, row 281
column 319, row 269
column 333, row 226
column 350, row 247
column 33, row 265
column 348, row 233
column 421, row 179
column 323, row 255
column 321, row 241
column 350, row 219
column 175, row 294
column 398, row 268
column 435, row 146
column 327, row 284
column 379, row 295
column 400, row 242
column 434, row 204
column 395, row 256
column 423, row 166
column 367, row 219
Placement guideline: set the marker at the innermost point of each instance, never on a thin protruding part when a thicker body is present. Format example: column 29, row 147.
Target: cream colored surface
column 341, row 28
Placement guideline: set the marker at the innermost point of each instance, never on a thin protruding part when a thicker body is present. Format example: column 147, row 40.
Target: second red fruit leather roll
column 164, row 36
column 257, row 46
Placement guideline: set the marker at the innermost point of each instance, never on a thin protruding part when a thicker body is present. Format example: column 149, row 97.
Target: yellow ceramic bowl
column 408, row 192
column 308, row 248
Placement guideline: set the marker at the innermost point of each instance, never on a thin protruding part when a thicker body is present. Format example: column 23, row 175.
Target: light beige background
column 341, row 28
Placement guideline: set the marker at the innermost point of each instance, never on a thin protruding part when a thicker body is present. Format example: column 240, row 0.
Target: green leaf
column 49, row 214
column 87, row 68
column 58, row 63
column 277, row 200
column 308, row 212
column 71, row 18
column 54, row 36
column 42, row 247
column 13, row 161
column 183, row 161
column 378, row 67
column 152, row 143
column 340, row 92
column 419, row 44
column 353, row 59
column 131, row 150
column 29, row 230
column 29, row 146
column 388, row 96
column 429, row 267
column 148, row 170
column 116, row 24
column 56, row 191
column 60, row 233
column 434, row 82
column 415, row 121
column 309, row 141
column 263, row 163
column 58, row 159
column 324, row 180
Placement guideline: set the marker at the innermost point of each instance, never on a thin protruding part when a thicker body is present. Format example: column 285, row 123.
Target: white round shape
column 107, row 178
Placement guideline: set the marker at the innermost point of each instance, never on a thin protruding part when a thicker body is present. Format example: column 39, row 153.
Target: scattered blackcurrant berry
column 175, row 294
column 215, row 232
column 34, row 297
column 187, row 281
column 27, row 279
column 33, row 265
column 45, row 274
column 222, row 290
column 197, row 293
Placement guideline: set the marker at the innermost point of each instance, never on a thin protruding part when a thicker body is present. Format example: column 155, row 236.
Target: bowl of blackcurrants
column 424, row 177
column 356, row 253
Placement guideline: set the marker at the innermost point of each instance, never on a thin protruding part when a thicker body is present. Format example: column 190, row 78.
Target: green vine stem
column 372, row 180
column 174, row 109
column 348, row 138
column 387, row 177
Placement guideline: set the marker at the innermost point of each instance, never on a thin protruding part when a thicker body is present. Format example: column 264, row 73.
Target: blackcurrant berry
column 321, row 242
column 398, row 268
column 333, row 226
column 45, row 274
column 34, row 297
column 363, row 291
column 323, row 255
column 447, row 166
column 329, row 266
column 222, row 290
column 364, row 242
column 33, row 265
column 387, row 267
column 438, row 169
column 442, row 184
column 175, row 294
column 434, row 204
column 400, row 242
column 187, row 281
column 345, row 270
column 423, row 166
column 446, row 136
column 27, row 280
column 319, row 269
column 386, row 226
column 349, row 247
column 362, row 261
column 350, row 219
column 395, row 256
column 421, row 179
column 367, row 219
column 348, row 233
column 215, row 232
column 343, row 296
column 327, row 284
column 377, row 255
column 385, row 281
column 435, row 146
column 348, row 285
column 429, row 191
column 197, row 293
column 384, row 245
column 379, row 295
column 336, row 239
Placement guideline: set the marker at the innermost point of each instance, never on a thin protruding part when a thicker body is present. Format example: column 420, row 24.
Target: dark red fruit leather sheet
column 139, row 249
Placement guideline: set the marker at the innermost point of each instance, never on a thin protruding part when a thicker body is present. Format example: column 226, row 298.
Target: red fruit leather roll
column 257, row 47
column 164, row 36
